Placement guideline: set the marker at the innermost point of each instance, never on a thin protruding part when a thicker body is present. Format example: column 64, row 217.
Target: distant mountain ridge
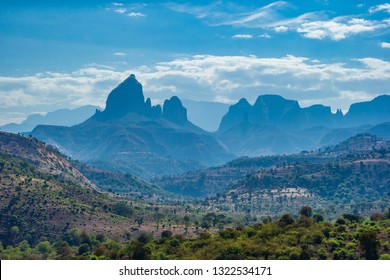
column 133, row 136
column 370, row 112
column 65, row 117
column 283, row 113
column 275, row 125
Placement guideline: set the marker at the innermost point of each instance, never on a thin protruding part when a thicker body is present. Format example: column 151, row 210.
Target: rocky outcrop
column 174, row 111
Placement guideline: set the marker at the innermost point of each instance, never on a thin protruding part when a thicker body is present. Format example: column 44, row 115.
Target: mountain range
column 131, row 135
column 65, row 117
column 274, row 125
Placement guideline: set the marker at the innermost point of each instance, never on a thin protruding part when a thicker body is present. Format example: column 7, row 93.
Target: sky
column 65, row 54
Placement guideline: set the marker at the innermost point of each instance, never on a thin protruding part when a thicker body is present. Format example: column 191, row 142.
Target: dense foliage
column 309, row 237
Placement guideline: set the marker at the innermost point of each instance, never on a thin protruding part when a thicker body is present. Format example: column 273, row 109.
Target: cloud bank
column 205, row 77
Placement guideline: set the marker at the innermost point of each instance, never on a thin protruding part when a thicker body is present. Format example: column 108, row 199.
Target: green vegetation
column 350, row 237
column 332, row 181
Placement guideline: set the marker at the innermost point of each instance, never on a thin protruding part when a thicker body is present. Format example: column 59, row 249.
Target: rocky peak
column 174, row 111
column 125, row 98
column 237, row 114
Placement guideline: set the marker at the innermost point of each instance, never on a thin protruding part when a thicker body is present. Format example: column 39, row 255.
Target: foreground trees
column 350, row 237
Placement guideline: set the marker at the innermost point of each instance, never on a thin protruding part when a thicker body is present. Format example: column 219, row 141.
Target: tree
column 352, row 217
column 306, row 211
column 43, row 247
column 84, row 249
column 139, row 220
column 73, row 237
column 186, row 220
column 166, row 234
column 286, row 220
column 122, row 209
column 318, row 218
column 370, row 244
column 144, row 238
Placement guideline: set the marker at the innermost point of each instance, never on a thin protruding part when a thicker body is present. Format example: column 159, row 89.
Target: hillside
column 124, row 185
column 348, row 176
column 44, row 158
column 42, row 195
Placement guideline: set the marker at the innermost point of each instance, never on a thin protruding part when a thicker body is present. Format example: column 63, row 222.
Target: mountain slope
column 214, row 180
column 43, row 195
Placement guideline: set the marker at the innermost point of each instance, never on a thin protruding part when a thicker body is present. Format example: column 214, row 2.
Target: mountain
column 43, row 195
column 44, row 158
column 130, row 135
column 274, row 110
column 381, row 130
column 370, row 112
column 275, row 125
column 198, row 110
column 65, row 117
column 237, row 114
column 360, row 143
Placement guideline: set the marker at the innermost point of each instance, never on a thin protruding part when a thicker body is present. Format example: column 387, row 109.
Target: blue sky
column 64, row 54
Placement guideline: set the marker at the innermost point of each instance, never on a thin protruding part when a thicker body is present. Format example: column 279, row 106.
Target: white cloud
column 120, row 11
column 281, row 29
column 265, row 36
column 336, row 29
column 263, row 15
column 120, row 54
column 59, row 90
column 383, row 7
column 133, row 14
column 242, row 36
column 203, row 77
column 117, row 4
column 385, row 45
column 314, row 25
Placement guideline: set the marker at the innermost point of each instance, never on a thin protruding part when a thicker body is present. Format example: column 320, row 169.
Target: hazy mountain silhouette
column 370, row 112
column 275, row 125
column 131, row 135
column 65, row 117
column 274, row 110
